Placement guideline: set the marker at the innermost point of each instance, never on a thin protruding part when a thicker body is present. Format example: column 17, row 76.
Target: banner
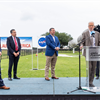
column 41, row 42
column 26, row 42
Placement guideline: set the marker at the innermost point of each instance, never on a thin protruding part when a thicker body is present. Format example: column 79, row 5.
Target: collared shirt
column 93, row 39
column 53, row 37
column 16, row 40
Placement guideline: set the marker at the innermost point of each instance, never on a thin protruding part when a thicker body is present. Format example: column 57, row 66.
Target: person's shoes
column 4, row 87
column 16, row 77
column 10, row 79
column 54, row 77
column 47, row 79
column 97, row 77
column 91, row 85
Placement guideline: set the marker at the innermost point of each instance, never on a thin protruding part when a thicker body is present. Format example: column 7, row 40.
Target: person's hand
column 81, row 47
column 15, row 54
column 0, row 53
column 57, row 48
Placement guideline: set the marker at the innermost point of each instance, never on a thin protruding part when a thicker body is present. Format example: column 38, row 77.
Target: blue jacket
column 50, row 49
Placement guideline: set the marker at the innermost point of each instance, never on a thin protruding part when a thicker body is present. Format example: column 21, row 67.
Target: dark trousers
column 13, row 61
column 1, row 81
column 92, row 66
column 97, row 69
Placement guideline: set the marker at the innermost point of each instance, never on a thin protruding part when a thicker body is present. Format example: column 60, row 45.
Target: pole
column 32, row 53
column 37, row 57
column 73, row 50
column 79, row 69
column 32, row 58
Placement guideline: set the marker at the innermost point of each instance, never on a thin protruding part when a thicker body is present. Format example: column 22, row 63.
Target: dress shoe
column 16, row 77
column 4, row 87
column 91, row 85
column 54, row 77
column 97, row 77
column 10, row 79
column 47, row 79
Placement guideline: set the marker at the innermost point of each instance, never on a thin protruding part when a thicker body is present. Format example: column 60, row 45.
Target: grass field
column 65, row 66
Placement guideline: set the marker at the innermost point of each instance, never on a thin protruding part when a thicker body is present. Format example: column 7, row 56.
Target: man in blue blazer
column 51, row 53
column 2, row 85
column 14, row 48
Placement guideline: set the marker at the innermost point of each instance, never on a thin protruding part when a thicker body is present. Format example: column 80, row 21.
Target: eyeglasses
column 14, row 32
column 91, row 25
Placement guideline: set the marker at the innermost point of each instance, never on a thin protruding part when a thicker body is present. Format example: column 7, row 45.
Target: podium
column 91, row 54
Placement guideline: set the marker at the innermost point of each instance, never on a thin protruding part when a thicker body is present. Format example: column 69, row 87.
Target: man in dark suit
column 14, row 48
column 51, row 53
column 2, row 85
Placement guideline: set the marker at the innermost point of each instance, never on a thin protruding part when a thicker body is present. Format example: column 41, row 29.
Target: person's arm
column 58, row 45
column 49, row 43
column 8, row 46
column 83, row 43
column 19, row 47
column 0, row 49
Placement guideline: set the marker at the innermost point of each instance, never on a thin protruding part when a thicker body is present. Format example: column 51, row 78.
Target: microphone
column 97, row 28
column 93, row 33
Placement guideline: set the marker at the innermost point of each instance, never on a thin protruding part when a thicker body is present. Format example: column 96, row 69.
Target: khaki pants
column 50, row 60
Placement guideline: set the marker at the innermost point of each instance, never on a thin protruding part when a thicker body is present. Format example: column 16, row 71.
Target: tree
column 64, row 38
column 73, row 44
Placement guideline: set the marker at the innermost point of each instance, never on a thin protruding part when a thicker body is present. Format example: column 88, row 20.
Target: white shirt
column 93, row 39
column 16, row 40
column 53, row 37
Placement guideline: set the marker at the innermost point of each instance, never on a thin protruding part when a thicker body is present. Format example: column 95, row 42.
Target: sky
column 36, row 17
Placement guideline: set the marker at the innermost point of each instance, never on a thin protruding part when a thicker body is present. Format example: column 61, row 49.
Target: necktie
column 16, row 46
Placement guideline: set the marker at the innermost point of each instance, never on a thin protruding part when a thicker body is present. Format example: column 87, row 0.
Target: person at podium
column 93, row 40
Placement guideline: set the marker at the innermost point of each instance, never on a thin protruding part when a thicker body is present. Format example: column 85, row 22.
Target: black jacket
column 11, row 45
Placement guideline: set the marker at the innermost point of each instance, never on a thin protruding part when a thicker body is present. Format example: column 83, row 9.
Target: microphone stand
column 80, row 88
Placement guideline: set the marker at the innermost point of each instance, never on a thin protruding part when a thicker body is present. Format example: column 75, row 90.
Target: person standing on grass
column 14, row 49
column 2, row 85
column 53, row 45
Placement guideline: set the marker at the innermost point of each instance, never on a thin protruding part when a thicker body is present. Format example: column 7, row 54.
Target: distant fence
column 29, row 52
column 23, row 52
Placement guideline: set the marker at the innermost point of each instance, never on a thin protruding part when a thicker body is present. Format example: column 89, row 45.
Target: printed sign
column 41, row 42
column 26, row 42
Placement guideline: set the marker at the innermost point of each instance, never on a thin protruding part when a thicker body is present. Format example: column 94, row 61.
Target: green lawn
column 65, row 66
